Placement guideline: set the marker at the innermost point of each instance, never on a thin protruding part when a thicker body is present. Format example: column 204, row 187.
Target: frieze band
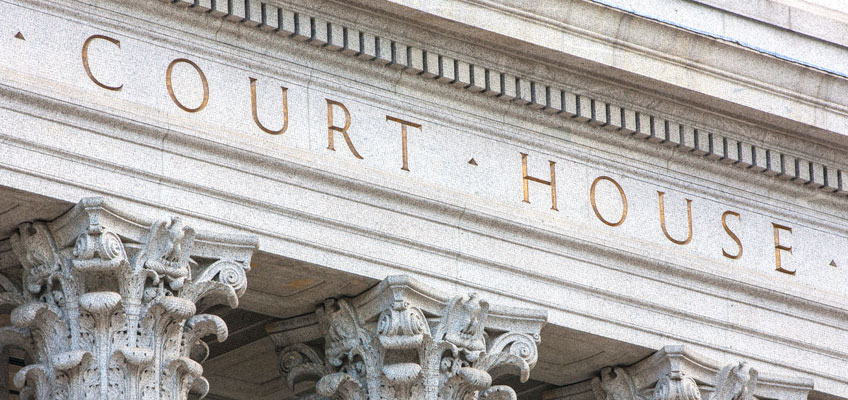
column 337, row 111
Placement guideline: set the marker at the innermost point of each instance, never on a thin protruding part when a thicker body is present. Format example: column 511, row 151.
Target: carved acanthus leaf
column 107, row 317
column 397, row 352
column 677, row 387
column 299, row 362
column 341, row 385
column 499, row 392
column 675, row 379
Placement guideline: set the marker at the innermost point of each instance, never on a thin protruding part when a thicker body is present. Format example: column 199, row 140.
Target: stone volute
column 670, row 375
column 107, row 306
column 676, row 373
column 402, row 340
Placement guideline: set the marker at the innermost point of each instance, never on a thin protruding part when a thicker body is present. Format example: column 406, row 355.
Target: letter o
column 171, row 89
column 595, row 207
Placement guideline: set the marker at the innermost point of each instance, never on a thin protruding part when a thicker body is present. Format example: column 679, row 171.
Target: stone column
column 402, row 340
column 675, row 373
column 107, row 306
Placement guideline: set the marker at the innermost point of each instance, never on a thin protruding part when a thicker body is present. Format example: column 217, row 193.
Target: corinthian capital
column 401, row 340
column 107, row 305
column 675, row 373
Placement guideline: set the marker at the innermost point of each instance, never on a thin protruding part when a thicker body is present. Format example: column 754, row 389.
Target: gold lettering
column 732, row 235
column 526, row 178
column 256, row 114
column 403, row 125
column 662, row 220
column 778, row 247
column 171, row 88
column 332, row 128
column 85, row 65
column 620, row 192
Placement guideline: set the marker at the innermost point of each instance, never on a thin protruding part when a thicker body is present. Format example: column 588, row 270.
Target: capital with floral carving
column 402, row 340
column 677, row 373
column 105, row 305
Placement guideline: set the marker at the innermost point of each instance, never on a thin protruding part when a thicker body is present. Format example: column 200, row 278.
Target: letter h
column 526, row 178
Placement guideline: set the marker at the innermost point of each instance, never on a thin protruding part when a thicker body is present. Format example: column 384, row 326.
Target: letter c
column 85, row 60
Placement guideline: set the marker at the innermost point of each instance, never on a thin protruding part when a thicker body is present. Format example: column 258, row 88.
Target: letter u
column 256, row 114
column 662, row 220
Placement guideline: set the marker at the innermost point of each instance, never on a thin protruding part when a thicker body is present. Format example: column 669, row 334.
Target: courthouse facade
column 451, row 199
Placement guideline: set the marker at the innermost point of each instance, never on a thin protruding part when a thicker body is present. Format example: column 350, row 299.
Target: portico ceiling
column 17, row 206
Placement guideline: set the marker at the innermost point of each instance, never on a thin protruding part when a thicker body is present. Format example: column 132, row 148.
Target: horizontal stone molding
column 526, row 91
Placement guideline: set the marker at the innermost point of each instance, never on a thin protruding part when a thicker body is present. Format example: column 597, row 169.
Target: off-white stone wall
column 445, row 221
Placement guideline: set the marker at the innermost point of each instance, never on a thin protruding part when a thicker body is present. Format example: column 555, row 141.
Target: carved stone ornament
column 733, row 382
column 107, row 306
column 674, row 373
column 615, row 384
column 678, row 386
column 403, row 341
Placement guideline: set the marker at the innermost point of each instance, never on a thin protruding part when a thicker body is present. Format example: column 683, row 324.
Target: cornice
column 526, row 91
column 592, row 38
column 811, row 19
column 768, row 27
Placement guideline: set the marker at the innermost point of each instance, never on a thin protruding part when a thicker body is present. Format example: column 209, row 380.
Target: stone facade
column 455, row 199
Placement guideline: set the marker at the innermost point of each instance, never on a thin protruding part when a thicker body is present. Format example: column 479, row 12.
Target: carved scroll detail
column 104, row 317
column 404, row 352
column 677, row 387
column 675, row 374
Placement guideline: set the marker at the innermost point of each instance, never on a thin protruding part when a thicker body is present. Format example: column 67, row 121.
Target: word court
column 520, row 176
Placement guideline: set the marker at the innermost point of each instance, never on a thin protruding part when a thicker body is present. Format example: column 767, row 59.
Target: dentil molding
column 525, row 91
